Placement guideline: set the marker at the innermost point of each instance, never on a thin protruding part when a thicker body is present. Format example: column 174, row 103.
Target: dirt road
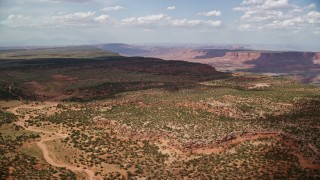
column 44, row 138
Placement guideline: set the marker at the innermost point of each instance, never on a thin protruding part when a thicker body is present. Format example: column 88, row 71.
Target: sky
column 290, row 23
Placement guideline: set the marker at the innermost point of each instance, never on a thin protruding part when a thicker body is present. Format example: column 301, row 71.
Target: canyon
column 301, row 66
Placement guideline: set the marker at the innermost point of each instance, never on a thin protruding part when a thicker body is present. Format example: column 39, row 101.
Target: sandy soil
column 225, row 146
column 48, row 136
column 175, row 153
column 259, row 85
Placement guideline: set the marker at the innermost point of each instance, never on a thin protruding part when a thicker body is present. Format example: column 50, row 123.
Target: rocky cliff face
column 274, row 57
column 300, row 56
column 281, row 59
column 213, row 57
column 316, row 58
column 305, row 65
column 242, row 56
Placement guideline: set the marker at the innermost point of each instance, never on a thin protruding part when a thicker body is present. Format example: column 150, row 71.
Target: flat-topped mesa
column 243, row 56
column 284, row 59
column 288, row 55
column 300, row 56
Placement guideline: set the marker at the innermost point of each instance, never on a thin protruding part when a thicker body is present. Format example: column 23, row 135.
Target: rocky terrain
column 302, row 66
column 113, row 117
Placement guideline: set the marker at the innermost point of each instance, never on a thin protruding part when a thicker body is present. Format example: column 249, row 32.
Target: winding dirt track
column 49, row 136
column 303, row 161
column 235, row 141
column 10, row 89
column 44, row 138
column 47, row 157
column 279, row 136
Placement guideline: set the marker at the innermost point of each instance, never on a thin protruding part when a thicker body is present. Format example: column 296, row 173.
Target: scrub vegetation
column 142, row 118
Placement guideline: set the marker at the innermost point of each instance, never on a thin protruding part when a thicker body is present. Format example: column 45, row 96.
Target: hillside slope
column 93, row 78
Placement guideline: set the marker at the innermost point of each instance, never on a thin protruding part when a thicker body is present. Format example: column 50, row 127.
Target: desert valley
column 86, row 113
column 159, row 89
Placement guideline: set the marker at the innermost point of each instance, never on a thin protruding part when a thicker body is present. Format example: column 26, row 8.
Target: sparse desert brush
column 135, row 122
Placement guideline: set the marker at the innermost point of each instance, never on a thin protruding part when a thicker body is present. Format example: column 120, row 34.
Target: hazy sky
column 60, row 22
